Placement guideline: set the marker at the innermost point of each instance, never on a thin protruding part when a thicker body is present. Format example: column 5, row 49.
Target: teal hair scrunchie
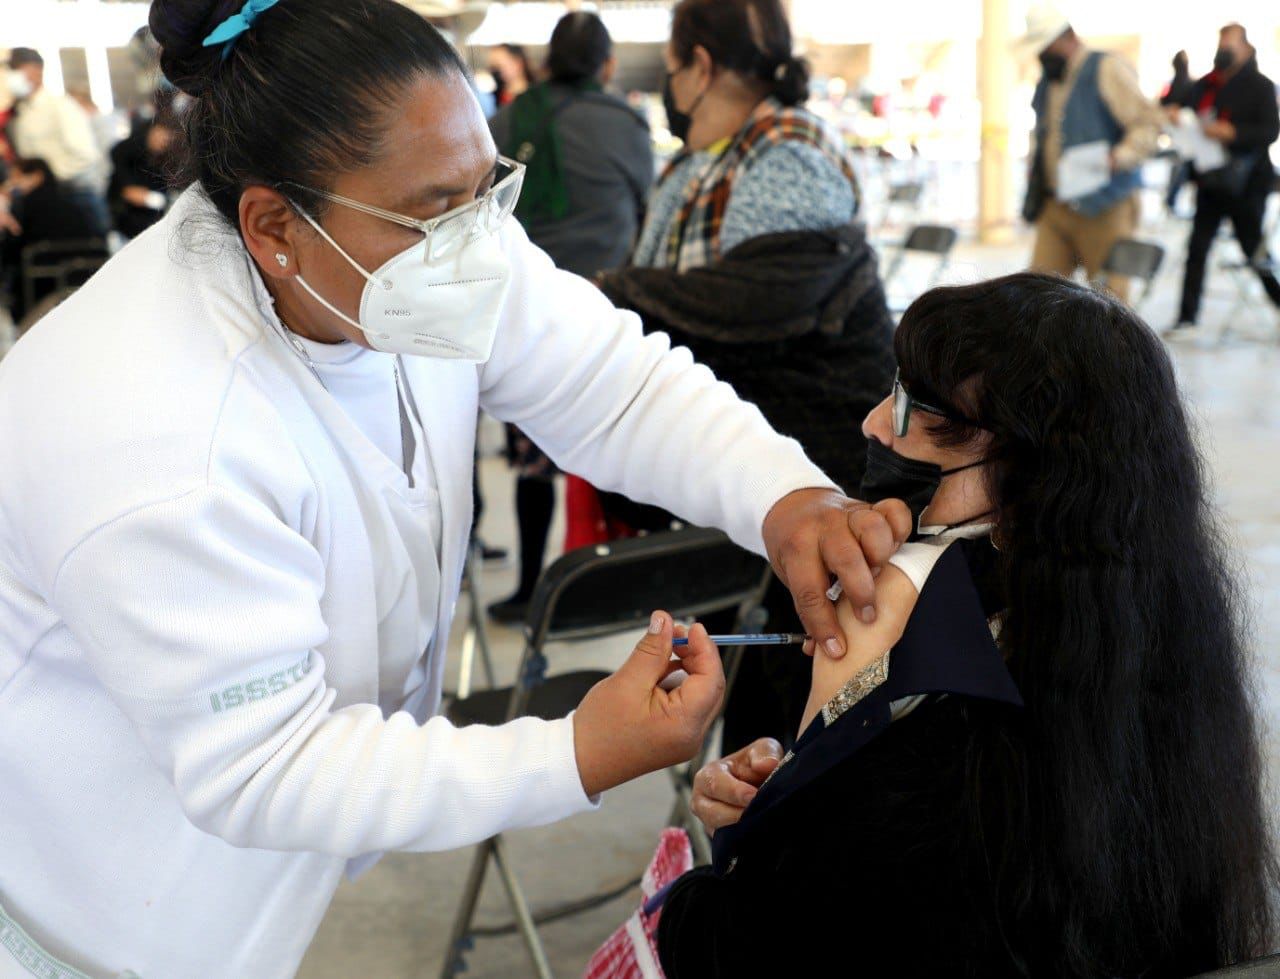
column 235, row 25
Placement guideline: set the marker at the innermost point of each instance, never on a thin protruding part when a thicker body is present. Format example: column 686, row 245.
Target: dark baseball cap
column 25, row 56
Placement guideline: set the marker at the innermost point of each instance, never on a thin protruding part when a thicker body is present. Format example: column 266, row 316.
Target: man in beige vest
column 1094, row 128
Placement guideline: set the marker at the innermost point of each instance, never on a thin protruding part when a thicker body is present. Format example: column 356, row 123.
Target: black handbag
column 1229, row 180
column 1037, row 193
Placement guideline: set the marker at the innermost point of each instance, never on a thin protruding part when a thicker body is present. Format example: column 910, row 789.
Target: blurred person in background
column 751, row 257
column 54, row 128
column 588, row 154
column 137, row 192
column 1181, row 83
column 40, row 209
column 1084, row 98
column 590, row 165
column 1177, row 92
column 1237, row 107
column 108, row 127
column 7, row 105
column 511, row 71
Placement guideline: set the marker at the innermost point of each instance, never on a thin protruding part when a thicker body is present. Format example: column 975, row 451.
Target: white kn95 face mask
column 440, row 297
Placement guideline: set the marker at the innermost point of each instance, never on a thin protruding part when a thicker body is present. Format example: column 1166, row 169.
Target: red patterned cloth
column 632, row 951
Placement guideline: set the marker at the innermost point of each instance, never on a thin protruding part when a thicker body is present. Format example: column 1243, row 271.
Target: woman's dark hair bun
column 751, row 37
column 790, row 81
column 580, row 46
column 180, row 26
column 266, row 110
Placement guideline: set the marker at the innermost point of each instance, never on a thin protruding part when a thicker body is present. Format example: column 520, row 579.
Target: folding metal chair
column 750, row 619
column 1130, row 258
column 66, row 263
column 587, row 594
column 924, row 239
column 907, row 196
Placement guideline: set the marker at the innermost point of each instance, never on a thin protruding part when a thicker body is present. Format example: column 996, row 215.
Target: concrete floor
column 394, row 921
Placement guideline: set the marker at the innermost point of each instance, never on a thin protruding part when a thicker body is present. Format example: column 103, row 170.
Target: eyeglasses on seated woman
column 1042, row 758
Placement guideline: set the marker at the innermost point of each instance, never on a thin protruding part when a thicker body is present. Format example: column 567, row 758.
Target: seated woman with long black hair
column 1042, row 759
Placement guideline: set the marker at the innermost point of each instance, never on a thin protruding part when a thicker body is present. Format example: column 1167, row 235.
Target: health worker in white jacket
column 235, row 474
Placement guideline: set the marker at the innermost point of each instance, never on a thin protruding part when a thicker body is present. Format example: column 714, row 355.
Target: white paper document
column 1084, row 169
column 1192, row 144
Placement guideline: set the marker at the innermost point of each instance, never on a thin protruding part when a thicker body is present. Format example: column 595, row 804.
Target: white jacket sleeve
column 201, row 616
column 629, row 413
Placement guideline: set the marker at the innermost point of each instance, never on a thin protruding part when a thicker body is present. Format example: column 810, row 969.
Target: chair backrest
column 908, row 193
column 1134, row 259
column 936, row 239
column 64, row 263
column 611, row 588
column 49, row 255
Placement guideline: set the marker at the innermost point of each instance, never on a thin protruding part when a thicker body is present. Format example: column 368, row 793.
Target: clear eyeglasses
column 904, row 404
column 450, row 232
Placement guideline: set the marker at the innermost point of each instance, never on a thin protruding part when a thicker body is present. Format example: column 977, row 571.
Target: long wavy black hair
column 1130, row 795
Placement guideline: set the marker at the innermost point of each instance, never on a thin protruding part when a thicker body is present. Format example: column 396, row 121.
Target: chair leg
column 938, row 271
column 524, row 919
column 482, row 637
column 459, row 938
column 466, row 663
column 477, row 635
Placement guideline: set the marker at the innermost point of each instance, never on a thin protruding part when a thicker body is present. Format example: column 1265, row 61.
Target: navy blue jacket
column 876, row 851
column 855, row 854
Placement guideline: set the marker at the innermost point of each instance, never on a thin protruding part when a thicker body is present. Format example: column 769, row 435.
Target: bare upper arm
column 895, row 599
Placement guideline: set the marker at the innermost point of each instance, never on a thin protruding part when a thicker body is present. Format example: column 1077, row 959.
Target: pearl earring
column 283, row 259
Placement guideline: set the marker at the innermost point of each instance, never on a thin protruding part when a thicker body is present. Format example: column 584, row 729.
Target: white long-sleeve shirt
column 55, row 129
column 208, row 587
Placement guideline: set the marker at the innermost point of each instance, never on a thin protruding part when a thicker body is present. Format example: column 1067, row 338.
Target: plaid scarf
column 694, row 239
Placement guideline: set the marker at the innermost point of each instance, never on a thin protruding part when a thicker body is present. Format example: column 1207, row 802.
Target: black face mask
column 1224, row 59
column 1054, row 65
column 891, row 476
column 678, row 122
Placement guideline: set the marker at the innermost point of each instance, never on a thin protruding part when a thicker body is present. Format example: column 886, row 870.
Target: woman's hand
column 722, row 789
column 813, row 533
column 628, row 725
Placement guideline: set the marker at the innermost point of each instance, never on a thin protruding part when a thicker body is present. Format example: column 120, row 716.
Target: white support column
column 995, row 82
column 52, row 68
column 96, row 62
column 100, row 79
